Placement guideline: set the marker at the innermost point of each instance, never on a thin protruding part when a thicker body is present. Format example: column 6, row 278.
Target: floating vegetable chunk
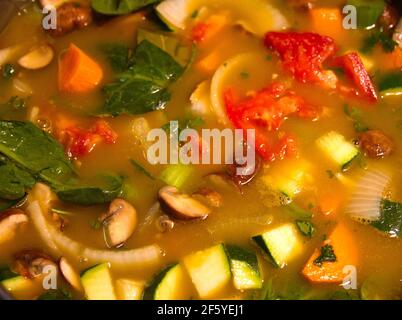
column 327, row 264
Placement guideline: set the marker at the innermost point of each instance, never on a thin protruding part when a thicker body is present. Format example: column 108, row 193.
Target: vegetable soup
column 199, row 149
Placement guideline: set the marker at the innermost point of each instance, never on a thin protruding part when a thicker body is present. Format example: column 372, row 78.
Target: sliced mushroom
column 181, row 206
column 119, row 223
column 70, row 274
column 213, row 198
column 31, row 263
column 10, row 222
column 38, row 58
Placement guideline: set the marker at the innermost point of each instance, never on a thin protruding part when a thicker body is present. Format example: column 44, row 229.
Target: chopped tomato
column 355, row 70
column 264, row 113
column 199, row 32
column 80, row 142
column 303, row 55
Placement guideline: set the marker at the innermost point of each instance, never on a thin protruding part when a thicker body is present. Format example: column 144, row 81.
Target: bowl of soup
column 197, row 149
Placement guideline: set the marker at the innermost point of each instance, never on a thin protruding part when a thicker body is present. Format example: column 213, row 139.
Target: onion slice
column 365, row 202
column 60, row 244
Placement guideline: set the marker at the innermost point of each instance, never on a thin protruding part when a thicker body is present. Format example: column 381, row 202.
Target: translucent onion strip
column 60, row 244
column 365, row 202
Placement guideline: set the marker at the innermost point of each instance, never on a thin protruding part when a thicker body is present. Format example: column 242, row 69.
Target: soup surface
column 95, row 203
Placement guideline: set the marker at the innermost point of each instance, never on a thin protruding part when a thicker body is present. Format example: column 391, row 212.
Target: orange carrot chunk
column 326, row 271
column 78, row 73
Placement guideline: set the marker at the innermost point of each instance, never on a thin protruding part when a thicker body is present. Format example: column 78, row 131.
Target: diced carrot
column 78, row 73
column 389, row 60
column 327, row 21
column 204, row 31
column 345, row 251
column 210, row 63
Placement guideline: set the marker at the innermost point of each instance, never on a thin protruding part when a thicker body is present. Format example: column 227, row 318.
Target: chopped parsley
column 305, row 227
column 327, row 255
column 381, row 38
column 8, row 71
column 244, row 75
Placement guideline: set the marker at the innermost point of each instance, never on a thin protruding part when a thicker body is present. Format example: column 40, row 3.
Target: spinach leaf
column 305, row 227
column 180, row 51
column 143, row 87
column 390, row 220
column 117, row 55
column 327, row 255
column 30, row 155
column 14, row 182
column 35, row 151
column 89, row 195
column 117, row 7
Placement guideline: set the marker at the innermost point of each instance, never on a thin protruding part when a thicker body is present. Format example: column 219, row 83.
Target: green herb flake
column 355, row 114
column 194, row 14
column 306, row 228
column 8, row 71
column 330, row 174
column 327, row 255
column 378, row 37
column 244, row 75
column 96, row 224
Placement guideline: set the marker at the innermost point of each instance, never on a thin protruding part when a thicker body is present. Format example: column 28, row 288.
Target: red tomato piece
column 264, row 113
column 80, row 142
column 355, row 70
column 303, row 55
column 199, row 32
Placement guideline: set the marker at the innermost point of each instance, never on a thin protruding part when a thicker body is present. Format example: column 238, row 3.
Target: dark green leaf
column 35, row 151
column 181, row 52
column 390, row 220
column 327, row 255
column 31, row 155
column 89, row 195
column 117, row 55
column 143, row 87
column 306, row 227
column 118, row 7
column 14, row 182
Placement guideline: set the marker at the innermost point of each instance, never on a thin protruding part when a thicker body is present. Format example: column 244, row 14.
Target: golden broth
column 243, row 214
